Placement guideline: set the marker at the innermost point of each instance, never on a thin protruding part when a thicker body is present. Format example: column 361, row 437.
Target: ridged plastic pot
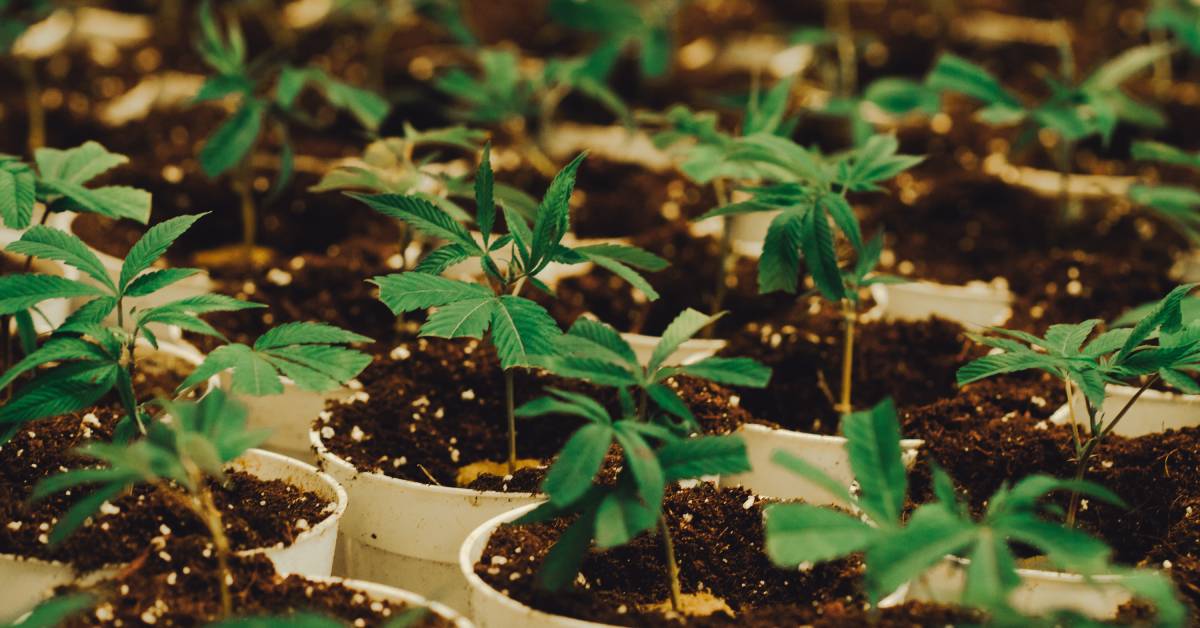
column 1039, row 593
column 1154, row 412
column 407, row 534
column 827, row 453
column 287, row 415
column 976, row 304
column 29, row 580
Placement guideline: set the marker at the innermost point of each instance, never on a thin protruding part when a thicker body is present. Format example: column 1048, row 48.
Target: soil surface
column 257, row 513
column 690, row 281
column 912, row 362
column 436, row 405
column 719, row 545
column 997, row 431
column 177, row 586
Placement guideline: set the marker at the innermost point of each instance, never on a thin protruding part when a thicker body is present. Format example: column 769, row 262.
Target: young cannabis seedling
column 897, row 551
column 183, row 458
column 1176, row 204
column 521, row 331
column 719, row 159
column 652, row 456
column 506, row 96
column 815, row 197
column 16, row 16
column 595, row 352
column 267, row 94
column 1114, row 356
column 1074, row 110
column 648, row 27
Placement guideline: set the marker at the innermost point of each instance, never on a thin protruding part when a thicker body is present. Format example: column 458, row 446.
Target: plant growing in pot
column 649, row 28
column 183, row 457
column 653, row 456
column 507, row 97
column 901, row 550
column 724, row 160
column 267, row 92
column 1076, row 109
column 520, row 330
column 1159, row 348
column 817, row 196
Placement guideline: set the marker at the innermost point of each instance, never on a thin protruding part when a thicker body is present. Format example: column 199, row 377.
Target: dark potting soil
column 329, row 287
column 434, row 406
column 178, row 586
column 257, row 513
column 719, row 544
column 912, row 362
column 690, row 281
column 994, row 432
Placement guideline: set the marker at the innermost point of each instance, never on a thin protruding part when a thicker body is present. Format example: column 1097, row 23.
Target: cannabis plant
column 1075, row 109
column 521, row 331
column 53, row 611
column 58, row 179
column 1176, row 204
column 652, row 458
column 267, row 93
column 648, row 27
column 1160, row 347
column 595, row 352
column 16, row 16
column 722, row 160
column 507, row 96
column 810, row 205
column 185, row 458
column 897, row 550
column 86, row 358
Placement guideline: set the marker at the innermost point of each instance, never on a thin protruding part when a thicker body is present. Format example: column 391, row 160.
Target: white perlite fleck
column 279, row 277
column 327, row 432
column 166, row 558
column 104, row 612
column 400, row 353
column 356, row 434
column 172, row 578
column 302, row 524
column 166, row 531
column 468, row 394
column 749, row 503
column 14, row 525
column 499, row 560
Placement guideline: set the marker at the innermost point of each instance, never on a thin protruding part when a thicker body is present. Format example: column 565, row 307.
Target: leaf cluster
column 59, row 178
column 811, row 202
column 1159, row 344
column 521, row 330
column 611, row 515
column 267, row 92
column 595, row 352
column 623, row 24
column 201, row 438
column 1176, row 204
column 897, row 551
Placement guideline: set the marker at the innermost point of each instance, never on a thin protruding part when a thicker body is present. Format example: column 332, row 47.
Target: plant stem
column 245, row 191
column 1066, row 158
column 672, row 565
column 33, row 104
column 1074, row 422
column 216, row 527
column 838, row 21
column 1081, row 464
column 510, row 410
column 850, row 318
column 726, row 254
column 376, row 47
column 642, row 404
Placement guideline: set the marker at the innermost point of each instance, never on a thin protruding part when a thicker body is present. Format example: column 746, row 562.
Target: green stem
column 33, row 104
column 725, row 257
column 244, row 186
column 850, row 318
column 672, row 564
column 1066, row 157
column 510, row 410
column 838, row 21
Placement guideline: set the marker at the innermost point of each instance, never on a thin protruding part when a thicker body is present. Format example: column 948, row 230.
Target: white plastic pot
column 30, row 580
column 493, row 609
column 1153, row 413
column 976, row 304
column 690, row 351
column 1039, row 593
column 196, row 285
column 407, row 534
column 827, row 453
column 382, row 593
column 287, row 415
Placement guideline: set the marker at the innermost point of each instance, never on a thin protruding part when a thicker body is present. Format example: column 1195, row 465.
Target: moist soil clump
column 719, row 545
column 257, row 513
column 914, row 362
column 177, row 585
column 690, row 281
column 433, row 406
column 998, row 431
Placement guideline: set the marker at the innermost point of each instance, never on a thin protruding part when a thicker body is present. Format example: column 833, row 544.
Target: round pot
column 196, row 285
column 690, row 351
column 1154, row 412
column 286, row 415
column 407, row 534
column 310, row 554
column 1039, row 593
column 976, row 304
column 827, row 453
column 383, row 593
